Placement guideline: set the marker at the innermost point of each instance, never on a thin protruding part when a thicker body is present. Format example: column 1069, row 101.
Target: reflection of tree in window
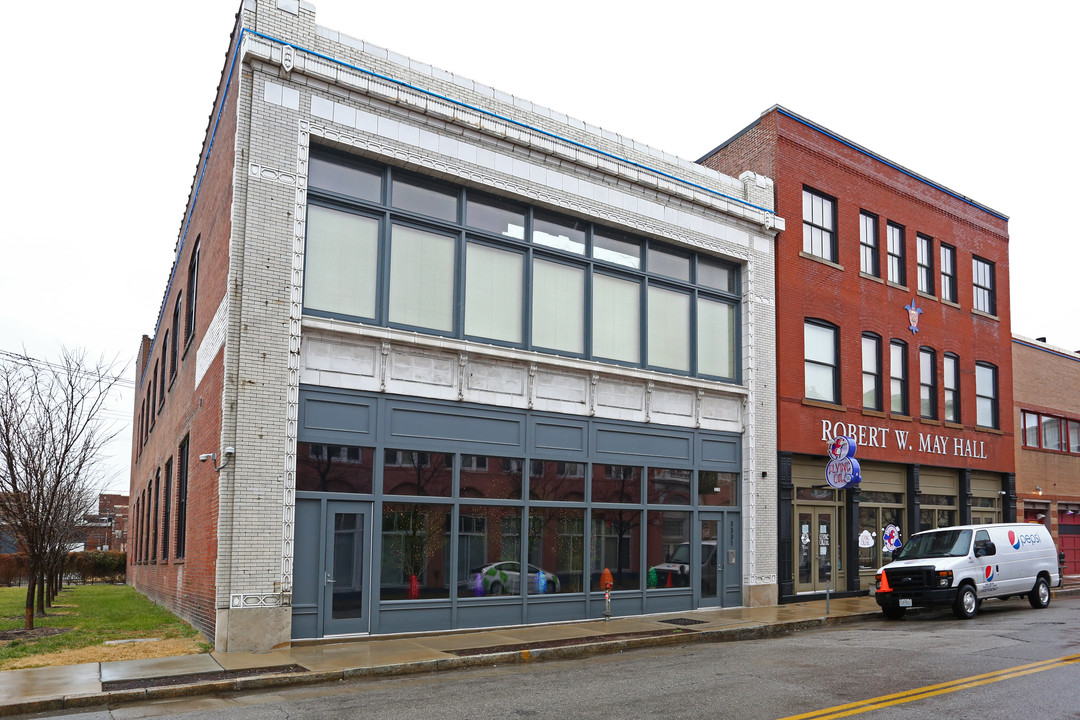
column 408, row 472
column 491, row 477
column 669, row 486
column 557, row 481
column 413, row 536
column 334, row 468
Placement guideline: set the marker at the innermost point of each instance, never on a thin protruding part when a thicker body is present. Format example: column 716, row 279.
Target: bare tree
column 52, row 432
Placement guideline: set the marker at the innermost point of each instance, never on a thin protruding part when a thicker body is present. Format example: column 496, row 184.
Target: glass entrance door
column 817, row 548
column 346, row 568
column 720, row 579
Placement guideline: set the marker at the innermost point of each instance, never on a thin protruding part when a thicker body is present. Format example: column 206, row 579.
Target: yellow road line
column 840, row 711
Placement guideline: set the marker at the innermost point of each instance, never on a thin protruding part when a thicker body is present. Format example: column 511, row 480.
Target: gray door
column 720, row 579
column 346, row 573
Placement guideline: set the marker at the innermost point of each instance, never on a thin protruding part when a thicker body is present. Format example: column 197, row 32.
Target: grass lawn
column 87, row 616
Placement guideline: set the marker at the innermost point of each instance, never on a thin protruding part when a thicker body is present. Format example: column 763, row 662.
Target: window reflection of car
column 675, row 570
column 504, row 578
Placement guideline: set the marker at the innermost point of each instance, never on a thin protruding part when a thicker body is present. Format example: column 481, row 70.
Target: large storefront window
column 489, row 552
column 414, row 541
column 667, row 550
column 614, row 545
column 717, row 489
column 557, row 548
column 877, row 512
column 494, row 478
column 557, row 481
column 616, row 484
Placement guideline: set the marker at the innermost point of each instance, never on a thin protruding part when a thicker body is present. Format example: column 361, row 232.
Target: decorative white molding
column 268, row 600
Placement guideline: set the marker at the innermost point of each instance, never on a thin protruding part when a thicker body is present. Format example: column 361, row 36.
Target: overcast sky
column 107, row 104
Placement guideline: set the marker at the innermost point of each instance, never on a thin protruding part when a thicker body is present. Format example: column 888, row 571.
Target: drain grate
column 683, row 621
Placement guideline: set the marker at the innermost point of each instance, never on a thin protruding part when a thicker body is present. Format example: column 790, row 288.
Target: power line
column 32, row 362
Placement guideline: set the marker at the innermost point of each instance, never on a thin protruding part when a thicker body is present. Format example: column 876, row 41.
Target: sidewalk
column 114, row 683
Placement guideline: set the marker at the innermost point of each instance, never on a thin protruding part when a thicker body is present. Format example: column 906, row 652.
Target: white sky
column 107, row 103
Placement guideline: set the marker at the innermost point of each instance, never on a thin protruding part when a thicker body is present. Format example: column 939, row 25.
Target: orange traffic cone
column 884, row 583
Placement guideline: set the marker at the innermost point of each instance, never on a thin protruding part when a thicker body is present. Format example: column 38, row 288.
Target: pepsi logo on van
column 1016, row 540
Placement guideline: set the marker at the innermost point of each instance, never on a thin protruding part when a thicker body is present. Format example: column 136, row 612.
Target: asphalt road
column 1009, row 662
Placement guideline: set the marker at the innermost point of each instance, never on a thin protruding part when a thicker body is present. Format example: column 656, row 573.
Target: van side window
column 982, row 542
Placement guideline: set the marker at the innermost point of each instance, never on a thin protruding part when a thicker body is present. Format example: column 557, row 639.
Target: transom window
column 982, row 280
column 390, row 248
column 819, row 222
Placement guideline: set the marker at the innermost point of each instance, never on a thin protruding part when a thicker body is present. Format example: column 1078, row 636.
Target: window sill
column 874, row 413
column 986, row 315
column 821, row 260
column 900, row 417
column 925, row 296
column 992, row 431
column 954, row 426
column 951, row 303
column 898, row 286
column 822, row 404
column 930, row 421
column 867, row 276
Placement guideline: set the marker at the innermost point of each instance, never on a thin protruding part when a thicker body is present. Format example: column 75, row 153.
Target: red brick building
column 1046, row 384
column 892, row 304
column 107, row 530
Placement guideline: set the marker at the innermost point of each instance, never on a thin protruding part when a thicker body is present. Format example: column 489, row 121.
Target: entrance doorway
column 720, row 583
column 346, row 576
column 817, row 534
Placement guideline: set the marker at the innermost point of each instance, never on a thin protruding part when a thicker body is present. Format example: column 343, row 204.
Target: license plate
column 905, row 602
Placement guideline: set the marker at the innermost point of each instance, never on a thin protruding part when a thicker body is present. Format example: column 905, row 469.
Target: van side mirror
column 984, row 550
column 896, row 554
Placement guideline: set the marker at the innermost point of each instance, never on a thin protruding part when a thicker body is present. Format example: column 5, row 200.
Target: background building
column 107, row 530
column 431, row 356
column 1046, row 386
column 892, row 328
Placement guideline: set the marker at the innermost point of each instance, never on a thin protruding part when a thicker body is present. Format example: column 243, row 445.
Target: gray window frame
column 983, row 284
column 897, row 256
column 869, row 251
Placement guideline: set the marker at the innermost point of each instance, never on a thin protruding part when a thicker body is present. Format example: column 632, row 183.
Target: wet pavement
column 110, row 684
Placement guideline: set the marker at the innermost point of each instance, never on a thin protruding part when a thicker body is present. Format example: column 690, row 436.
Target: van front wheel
column 1039, row 597
column 967, row 603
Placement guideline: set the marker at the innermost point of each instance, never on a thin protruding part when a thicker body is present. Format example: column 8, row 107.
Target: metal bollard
column 607, row 602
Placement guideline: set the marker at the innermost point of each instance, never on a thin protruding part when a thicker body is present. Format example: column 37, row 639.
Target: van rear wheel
column 1039, row 597
column 967, row 603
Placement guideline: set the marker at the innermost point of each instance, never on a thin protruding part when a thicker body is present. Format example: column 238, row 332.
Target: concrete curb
column 115, row 698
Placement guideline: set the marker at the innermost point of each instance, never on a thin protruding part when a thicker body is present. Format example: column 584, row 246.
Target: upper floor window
column 925, row 251
column 821, row 361
column 986, row 395
column 982, row 280
column 819, row 223
column 952, row 388
column 948, row 273
column 895, row 239
column 871, row 371
column 1051, row 433
column 173, row 347
column 479, row 267
column 927, row 383
column 192, row 291
column 868, row 244
column 898, row 382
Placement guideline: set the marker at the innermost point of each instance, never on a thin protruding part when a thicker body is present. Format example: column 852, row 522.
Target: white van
column 964, row 565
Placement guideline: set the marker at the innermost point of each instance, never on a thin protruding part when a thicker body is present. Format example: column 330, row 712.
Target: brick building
column 431, row 356
column 1046, row 393
column 893, row 329
column 107, row 529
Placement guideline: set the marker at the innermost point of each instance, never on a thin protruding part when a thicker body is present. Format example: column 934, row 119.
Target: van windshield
column 681, row 554
column 943, row 543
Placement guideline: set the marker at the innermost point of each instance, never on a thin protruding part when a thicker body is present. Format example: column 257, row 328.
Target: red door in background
column 1069, row 540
